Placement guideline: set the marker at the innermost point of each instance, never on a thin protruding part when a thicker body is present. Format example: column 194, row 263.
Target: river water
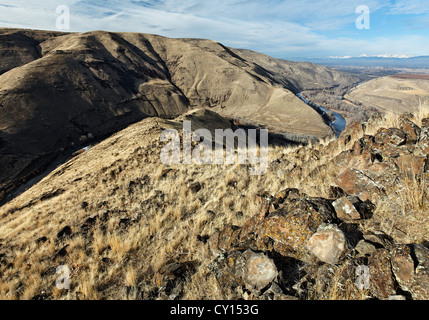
column 338, row 125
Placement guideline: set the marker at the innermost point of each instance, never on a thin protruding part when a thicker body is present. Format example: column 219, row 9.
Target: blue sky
column 283, row 29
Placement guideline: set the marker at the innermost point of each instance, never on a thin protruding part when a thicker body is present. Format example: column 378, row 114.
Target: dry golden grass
column 146, row 216
column 390, row 94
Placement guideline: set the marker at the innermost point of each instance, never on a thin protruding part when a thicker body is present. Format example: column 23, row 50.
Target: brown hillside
column 391, row 94
column 62, row 91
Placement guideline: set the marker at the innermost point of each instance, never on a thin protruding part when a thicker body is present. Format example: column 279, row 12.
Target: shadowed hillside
column 62, row 91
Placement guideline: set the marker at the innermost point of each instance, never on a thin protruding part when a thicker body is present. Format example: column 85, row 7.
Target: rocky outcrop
column 377, row 164
column 410, row 265
column 393, row 269
column 325, row 235
column 285, row 230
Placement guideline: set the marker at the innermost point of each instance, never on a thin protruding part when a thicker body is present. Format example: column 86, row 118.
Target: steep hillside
column 19, row 47
column 129, row 227
column 62, row 91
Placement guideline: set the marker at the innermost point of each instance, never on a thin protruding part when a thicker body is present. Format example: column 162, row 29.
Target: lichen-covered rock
column 241, row 238
column 286, row 230
column 393, row 136
column 345, row 209
column 224, row 268
column 260, row 270
column 328, row 243
column 389, row 146
column 382, row 283
column 412, row 274
column 255, row 271
column 228, row 239
column 292, row 226
column 411, row 130
column 355, row 182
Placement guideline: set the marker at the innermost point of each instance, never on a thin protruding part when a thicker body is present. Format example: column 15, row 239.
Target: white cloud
column 279, row 28
column 409, row 7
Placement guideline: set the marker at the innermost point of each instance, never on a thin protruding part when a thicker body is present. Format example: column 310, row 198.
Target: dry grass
column 146, row 215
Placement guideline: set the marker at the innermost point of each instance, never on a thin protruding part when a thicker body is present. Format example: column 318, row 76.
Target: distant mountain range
column 421, row 62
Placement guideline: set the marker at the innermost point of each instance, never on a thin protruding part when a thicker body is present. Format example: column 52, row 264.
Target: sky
column 283, row 29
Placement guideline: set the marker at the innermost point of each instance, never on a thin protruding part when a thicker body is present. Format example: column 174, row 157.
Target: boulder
column 411, row 130
column 412, row 274
column 291, row 227
column 328, row 243
column 286, row 230
column 410, row 164
column 249, row 269
column 345, row 209
column 393, row 136
column 382, row 283
column 355, row 182
column 260, row 270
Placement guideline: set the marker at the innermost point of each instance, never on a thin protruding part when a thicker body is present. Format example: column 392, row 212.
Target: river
column 338, row 125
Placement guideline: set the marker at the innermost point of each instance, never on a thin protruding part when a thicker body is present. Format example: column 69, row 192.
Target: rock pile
column 309, row 232
column 375, row 165
column 324, row 237
column 297, row 245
